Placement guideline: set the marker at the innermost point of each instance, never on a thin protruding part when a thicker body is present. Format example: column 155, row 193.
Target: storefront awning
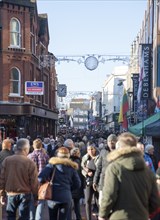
column 148, row 127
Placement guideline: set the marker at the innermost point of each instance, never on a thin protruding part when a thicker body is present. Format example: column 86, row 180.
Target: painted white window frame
column 15, row 80
column 15, row 35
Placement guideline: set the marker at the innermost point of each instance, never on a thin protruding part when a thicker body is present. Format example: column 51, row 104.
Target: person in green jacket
column 130, row 191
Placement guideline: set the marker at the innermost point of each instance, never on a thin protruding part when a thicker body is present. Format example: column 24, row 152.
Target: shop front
column 23, row 120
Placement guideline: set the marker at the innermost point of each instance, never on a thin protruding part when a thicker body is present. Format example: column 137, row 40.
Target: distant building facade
column 112, row 96
column 79, row 115
column 24, row 56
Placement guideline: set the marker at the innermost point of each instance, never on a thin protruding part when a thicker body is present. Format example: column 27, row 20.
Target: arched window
column 15, row 33
column 15, row 82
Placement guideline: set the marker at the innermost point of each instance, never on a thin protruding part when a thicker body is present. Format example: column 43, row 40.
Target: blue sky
column 79, row 28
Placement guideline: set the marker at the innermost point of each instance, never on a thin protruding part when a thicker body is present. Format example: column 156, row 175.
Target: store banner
column 146, row 71
column 135, row 79
column 144, row 87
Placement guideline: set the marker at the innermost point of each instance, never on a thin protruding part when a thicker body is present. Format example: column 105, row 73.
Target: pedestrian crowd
column 115, row 177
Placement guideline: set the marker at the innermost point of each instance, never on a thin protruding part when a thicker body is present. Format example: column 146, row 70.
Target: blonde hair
column 127, row 139
column 37, row 144
column 6, row 144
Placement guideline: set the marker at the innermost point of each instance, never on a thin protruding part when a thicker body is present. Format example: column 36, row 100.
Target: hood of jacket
column 129, row 157
column 63, row 161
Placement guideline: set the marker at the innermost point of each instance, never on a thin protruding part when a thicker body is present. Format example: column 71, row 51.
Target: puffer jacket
column 130, row 190
column 65, row 179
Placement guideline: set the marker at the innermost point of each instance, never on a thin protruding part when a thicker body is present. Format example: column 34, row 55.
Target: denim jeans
column 32, row 209
column 59, row 211
column 77, row 210
column 42, row 211
column 21, row 202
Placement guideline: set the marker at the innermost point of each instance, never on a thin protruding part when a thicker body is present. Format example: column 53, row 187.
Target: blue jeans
column 32, row 209
column 58, row 211
column 42, row 211
column 21, row 202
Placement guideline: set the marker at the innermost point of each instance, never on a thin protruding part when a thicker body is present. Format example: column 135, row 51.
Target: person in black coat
column 77, row 194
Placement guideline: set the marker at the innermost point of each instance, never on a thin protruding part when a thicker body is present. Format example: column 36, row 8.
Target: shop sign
column 34, row 88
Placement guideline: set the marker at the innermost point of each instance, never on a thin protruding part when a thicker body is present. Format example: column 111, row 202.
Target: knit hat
column 63, row 152
column 112, row 137
column 148, row 147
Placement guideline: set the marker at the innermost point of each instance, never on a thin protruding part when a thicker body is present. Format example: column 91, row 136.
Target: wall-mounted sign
column 34, row 88
column 62, row 90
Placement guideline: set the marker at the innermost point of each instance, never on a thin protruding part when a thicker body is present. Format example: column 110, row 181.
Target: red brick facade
column 24, row 37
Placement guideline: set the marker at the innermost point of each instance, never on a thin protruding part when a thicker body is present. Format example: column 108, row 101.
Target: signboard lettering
column 34, row 88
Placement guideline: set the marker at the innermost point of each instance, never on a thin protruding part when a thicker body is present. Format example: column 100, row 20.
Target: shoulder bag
column 45, row 190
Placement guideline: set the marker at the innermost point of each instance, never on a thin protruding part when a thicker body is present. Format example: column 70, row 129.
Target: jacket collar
column 63, row 161
column 122, row 152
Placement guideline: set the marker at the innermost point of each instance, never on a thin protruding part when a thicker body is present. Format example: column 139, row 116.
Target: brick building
column 24, row 56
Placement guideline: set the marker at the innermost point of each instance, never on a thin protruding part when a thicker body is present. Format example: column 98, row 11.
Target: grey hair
column 68, row 143
column 22, row 143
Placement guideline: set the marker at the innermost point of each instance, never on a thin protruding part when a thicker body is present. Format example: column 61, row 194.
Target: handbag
column 45, row 190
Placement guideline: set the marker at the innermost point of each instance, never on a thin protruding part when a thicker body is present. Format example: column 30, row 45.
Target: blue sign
column 34, row 88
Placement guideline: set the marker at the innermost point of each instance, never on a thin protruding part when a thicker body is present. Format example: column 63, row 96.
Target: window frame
column 17, row 33
column 12, row 81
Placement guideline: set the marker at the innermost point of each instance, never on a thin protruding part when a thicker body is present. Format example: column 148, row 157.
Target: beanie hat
column 63, row 152
column 112, row 137
column 148, row 147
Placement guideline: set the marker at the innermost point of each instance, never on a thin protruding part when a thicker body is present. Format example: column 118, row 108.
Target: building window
column 15, row 82
column 15, row 33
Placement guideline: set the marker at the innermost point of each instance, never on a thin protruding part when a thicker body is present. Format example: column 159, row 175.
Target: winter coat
column 65, row 180
column 130, row 190
column 78, row 193
column 87, row 162
column 18, row 175
column 101, row 167
column 3, row 154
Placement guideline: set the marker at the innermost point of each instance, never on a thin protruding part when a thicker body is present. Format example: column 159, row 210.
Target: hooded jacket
column 65, row 179
column 130, row 190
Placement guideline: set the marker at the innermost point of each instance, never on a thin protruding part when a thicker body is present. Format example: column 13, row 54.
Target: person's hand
column 90, row 173
column 35, row 203
column 100, row 218
column 94, row 186
column 3, row 200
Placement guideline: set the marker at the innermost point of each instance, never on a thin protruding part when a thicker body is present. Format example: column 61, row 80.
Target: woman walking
column 66, row 179
column 89, row 163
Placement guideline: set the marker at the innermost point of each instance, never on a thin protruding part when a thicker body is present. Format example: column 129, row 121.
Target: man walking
column 98, row 180
column 6, row 150
column 130, row 191
column 18, row 179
